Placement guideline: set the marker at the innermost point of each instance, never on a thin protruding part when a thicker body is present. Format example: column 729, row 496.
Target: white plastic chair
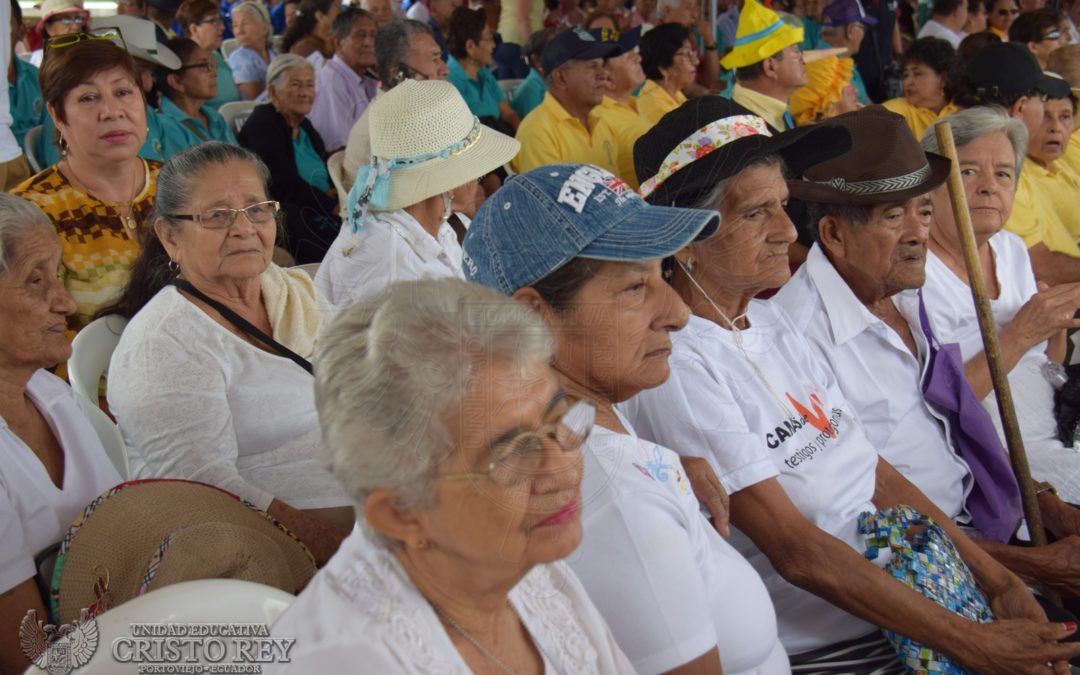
column 335, row 166
column 236, row 113
column 91, row 351
column 277, row 42
column 30, row 142
column 229, row 46
column 108, row 433
column 509, row 87
column 205, row 601
column 310, row 268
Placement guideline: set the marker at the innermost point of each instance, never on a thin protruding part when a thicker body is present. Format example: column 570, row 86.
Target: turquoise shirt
column 27, row 106
column 183, row 131
column 309, row 165
column 153, row 148
column 483, row 95
column 529, row 94
column 226, row 88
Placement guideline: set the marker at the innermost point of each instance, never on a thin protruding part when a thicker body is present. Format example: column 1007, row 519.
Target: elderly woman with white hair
column 249, row 62
column 1031, row 322
column 53, row 462
column 428, row 152
column 446, row 424
column 281, row 134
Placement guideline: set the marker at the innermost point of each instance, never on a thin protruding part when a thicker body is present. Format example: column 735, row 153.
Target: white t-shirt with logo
column 668, row 585
column 802, row 432
column 952, row 311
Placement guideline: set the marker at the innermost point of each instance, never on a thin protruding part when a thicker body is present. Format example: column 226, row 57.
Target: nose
column 671, row 311
column 917, row 231
column 61, row 302
column 561, row 469
column 784, row 229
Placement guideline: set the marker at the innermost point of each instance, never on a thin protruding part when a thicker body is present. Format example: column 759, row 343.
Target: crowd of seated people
column 660, row 359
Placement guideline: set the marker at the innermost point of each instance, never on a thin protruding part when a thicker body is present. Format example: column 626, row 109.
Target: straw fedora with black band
column 146, row 534
column 710, row 139
column 886, row 164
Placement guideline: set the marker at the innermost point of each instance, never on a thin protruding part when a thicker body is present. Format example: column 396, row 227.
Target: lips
column 57, row 328
column 560, row 517
column 116, row 136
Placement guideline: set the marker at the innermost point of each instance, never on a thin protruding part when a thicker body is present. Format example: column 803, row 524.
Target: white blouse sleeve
column 173, row 409
column 16, row 558
column 661, row 621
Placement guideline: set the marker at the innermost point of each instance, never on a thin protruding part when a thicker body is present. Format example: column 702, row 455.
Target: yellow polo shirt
column 770, row 109
column 654, row 102
column 1044, row 209
column 918, row 119
column 550, row 135
column 1071, row 158
column 626, row 126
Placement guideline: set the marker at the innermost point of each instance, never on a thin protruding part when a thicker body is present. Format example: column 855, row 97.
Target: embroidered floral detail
column 704, row 142
column 561, row 637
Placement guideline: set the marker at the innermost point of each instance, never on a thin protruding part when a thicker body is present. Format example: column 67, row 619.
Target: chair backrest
column 310, row 268
column 277, row 42
column 335, row 166
column 236, row 113
column 109, row 435
column 30, row 143
column 509, row 87
column 229, row 46
column 204, row 601
column 90, row 354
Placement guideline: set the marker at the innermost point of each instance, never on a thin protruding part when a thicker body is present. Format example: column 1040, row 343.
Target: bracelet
column 1043, row 486
column 710, row 48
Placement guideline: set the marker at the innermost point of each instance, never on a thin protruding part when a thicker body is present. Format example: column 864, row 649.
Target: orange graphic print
column 818, row 419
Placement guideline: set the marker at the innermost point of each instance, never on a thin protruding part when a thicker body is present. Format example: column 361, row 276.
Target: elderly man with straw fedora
column 426, row 145
column 566, row 127
column 858, row 301
column 768, row 64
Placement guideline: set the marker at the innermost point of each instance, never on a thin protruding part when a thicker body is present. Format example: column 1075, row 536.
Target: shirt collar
column 343, row 69
column 559, row 112
column 848, row 317
column 771, row 109
column 426, row 247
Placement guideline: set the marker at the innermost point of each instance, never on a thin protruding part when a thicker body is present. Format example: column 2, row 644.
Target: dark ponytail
column 304, row 22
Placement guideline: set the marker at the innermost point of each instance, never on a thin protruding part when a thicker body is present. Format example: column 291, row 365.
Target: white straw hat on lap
column 424, row 141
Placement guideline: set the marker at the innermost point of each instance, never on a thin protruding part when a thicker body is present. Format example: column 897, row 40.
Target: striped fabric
column 869, row 655
column 98, row 249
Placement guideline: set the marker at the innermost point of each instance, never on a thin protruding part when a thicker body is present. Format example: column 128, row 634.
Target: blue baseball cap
column 575, row 43
column 627, row 40
column 541, row 220
column 843, row 12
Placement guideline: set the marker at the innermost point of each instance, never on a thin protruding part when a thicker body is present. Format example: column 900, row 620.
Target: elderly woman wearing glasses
column 100, row 193
column 210, row 380
column 202, row 22
column 576, row 244
column 186, row 94
column 428, row 152
column 444, row 421
column 670, row 62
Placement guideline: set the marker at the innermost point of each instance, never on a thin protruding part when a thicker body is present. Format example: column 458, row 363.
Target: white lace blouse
column 362, row 613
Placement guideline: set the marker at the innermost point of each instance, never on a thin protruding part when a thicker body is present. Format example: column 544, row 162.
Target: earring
column 421, row 544
column 62, row 143
column 173, row 266
column 687, row 266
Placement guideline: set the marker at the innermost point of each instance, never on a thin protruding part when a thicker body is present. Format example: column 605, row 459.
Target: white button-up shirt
column 341, row 98
column 880, row 377
column 391, row 246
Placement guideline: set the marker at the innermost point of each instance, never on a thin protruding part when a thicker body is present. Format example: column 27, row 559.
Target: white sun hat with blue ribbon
column 424, row 141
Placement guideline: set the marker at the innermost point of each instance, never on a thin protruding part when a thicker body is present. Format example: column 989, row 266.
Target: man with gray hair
column 345, row 84
column 404, row 50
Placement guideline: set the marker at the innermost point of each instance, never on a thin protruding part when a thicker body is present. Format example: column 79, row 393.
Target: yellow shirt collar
column 768, row 108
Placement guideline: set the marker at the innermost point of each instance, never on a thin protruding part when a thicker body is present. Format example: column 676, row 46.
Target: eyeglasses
column 110, row 34
column 521, row 457
column 1052, row 35
column 1008, row 12
column 223, row 218
column 688, row 54
column 210, row 66
column 213, row 21
column 77, row 20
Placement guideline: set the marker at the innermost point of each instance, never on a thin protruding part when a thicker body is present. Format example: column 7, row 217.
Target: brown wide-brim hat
column 885, row 164
column 143, row 535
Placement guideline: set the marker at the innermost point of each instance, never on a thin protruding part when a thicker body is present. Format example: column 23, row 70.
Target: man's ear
column 832, row 236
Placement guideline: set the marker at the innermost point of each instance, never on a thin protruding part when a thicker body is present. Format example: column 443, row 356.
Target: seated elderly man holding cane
column 857, row 301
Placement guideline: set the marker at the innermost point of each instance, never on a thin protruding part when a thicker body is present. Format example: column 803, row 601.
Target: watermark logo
column 58, row 650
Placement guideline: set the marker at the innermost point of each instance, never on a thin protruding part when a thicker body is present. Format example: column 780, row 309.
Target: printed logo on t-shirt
column 816, row 416
column 654, row 466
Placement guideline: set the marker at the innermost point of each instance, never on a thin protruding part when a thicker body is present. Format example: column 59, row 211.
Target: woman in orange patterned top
column 100, row 194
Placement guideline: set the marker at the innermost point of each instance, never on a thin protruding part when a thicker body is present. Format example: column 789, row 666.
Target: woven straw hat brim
column 414, row 184
column 826, row 194
column 118, row 535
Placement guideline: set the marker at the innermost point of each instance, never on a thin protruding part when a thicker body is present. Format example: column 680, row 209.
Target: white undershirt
column 34, row 512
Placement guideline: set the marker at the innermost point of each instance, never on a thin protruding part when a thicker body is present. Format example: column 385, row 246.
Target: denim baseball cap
column 541, row 220
column 575, row 43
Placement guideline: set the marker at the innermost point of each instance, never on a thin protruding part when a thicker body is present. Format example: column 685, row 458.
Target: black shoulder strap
column 244, row 325
column 190, row 124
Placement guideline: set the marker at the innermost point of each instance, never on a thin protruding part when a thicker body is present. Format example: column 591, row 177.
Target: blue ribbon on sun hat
column 372, row 186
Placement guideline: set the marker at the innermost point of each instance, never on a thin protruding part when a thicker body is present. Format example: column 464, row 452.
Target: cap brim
column 652, row 232
column 416, row 183
column 811, row 55
column 809, row 191
column 1054, row 87
column 629, row 40
column 595, row 50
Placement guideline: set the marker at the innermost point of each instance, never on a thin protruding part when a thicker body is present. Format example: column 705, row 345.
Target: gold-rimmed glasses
column 521, row 457
column 110, row 34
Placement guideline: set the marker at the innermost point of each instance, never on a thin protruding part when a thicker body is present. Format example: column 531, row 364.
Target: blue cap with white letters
column 541, row 220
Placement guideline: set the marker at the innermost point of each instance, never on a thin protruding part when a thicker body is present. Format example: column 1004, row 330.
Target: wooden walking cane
column 1000, row 379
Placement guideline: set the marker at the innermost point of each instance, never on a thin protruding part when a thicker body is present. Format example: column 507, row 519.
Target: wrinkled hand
column 1015, row 601
column 709, row 491
column 1047, row 312
column 1020, row 647
column 1059, row 517
column 1060, row 565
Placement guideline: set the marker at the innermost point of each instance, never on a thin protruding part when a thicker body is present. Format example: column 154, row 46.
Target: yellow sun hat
column 761, row 34
column 827, row 80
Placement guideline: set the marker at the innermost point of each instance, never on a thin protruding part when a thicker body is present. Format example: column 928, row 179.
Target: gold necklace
column 124, row 209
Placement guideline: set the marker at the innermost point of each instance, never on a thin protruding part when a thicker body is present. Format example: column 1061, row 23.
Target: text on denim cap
column 577, row 189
